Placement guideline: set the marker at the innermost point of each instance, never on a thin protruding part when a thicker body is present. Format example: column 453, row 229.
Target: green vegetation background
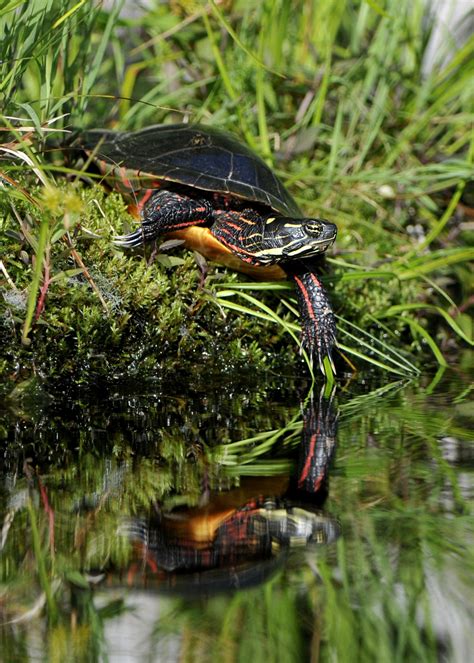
column 331, row 94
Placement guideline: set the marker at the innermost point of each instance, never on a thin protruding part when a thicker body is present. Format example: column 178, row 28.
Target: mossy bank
column 336, row 98
column 119, row 314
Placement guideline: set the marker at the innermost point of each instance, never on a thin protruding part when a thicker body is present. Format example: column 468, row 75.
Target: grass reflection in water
column 123, row 520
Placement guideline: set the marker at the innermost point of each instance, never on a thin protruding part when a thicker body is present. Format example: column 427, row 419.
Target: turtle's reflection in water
column 237, row 538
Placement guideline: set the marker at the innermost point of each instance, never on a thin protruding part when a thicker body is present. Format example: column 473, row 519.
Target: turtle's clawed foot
column 148, row 231
column 130, row 241
column 319, row 339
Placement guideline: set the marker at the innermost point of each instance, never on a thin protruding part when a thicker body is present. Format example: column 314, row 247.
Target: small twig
column 3, row 269
column 462, row 308
column 86, row 273
column 45, row 286
column 14, row 184
column 32, row 129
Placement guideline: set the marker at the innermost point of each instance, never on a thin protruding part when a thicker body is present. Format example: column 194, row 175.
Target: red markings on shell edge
column 124, row 178
column 144, row 199
column 103, row 166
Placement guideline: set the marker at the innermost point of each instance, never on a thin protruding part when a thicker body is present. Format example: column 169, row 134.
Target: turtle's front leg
column 166, row 211
column 317, row 317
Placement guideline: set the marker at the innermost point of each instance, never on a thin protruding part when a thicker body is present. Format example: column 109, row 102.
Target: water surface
column 238, row 519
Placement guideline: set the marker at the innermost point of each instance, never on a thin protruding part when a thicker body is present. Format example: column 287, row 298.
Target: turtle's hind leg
column 166, row 211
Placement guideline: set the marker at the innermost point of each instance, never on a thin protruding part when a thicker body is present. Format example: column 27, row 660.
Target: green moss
column 150, row 318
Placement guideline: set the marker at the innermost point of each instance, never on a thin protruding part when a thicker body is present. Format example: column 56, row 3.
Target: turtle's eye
column 313, row 227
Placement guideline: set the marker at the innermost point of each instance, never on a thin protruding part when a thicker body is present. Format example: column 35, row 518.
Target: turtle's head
column 284, row 238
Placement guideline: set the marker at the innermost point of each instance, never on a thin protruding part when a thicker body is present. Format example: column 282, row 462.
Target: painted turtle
column 201, row 185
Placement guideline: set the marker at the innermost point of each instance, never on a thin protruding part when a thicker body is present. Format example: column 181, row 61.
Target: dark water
column 251, row 520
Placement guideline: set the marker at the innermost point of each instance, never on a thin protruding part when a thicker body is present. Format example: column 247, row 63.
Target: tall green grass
column 330, row 93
